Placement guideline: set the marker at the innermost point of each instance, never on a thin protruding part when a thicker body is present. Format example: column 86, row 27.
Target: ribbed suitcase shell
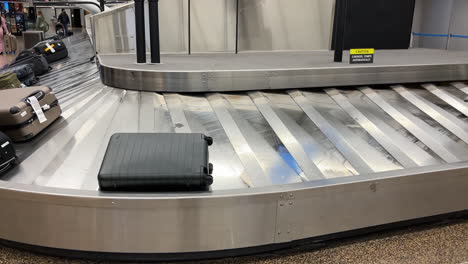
column 156, row 162
column 17, row 118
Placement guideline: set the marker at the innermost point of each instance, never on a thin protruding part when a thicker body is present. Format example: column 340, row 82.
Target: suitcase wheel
column 210, row 168
column 208, row 180
column 209, row 140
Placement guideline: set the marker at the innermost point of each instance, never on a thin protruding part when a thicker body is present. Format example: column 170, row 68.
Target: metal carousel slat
column 176, row 111
column 448, row 98
column 463, row 87
column 288, row 132
column 424, row 132
column 358, row 152
column 402, row 149
column 453, row 124
column 31, row 168
column 76, row 166
column 69, row 164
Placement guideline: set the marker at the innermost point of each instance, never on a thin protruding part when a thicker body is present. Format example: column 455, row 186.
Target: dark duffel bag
column 24, row 73
column 156, row 162
column 26, row 54
column 25, row 112
column 53, row 50
column 7, row 153
column 37, row 62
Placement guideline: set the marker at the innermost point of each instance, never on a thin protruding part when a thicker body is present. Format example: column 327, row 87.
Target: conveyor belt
column 288, row 165
column 261, row 138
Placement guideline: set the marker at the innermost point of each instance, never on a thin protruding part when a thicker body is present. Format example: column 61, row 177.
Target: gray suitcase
column 156, row 162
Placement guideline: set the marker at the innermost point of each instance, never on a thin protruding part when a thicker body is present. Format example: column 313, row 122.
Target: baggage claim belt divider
column 361, row 56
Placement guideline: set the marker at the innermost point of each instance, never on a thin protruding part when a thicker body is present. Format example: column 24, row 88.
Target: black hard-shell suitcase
column 37, row 62
column 7, row 153
column 24, row 73
column 53, row 50
column 156, row 162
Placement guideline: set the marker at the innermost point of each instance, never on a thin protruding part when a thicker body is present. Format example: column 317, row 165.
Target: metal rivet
column 290, row 203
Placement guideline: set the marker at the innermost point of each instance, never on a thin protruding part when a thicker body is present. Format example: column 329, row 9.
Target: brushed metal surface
column 278, row 70
column 263, row 142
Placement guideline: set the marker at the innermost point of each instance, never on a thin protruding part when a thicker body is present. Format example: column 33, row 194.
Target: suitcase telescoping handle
column 38, row 94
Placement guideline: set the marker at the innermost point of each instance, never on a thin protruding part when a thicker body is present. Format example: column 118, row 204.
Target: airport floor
column 436, row 243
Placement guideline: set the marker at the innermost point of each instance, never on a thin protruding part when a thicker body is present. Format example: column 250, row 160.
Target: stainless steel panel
column 225, row 220
column 285, row 24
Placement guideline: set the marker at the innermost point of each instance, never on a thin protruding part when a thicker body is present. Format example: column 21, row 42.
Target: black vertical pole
column 340, row 20
column 102, row 4
column 189, row 28
column 237, row 26
column 154, row 31
column 140, row 30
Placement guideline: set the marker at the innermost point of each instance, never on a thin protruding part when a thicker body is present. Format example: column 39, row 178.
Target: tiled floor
column 446, row 244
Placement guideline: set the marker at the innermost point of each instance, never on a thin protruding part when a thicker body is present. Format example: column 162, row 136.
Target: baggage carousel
column 290, row 166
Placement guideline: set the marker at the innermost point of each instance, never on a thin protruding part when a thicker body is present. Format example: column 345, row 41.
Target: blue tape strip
column 430, row 35
column 458, row 36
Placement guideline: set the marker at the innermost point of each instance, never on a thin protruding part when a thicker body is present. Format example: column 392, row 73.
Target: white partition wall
column 459, row 25
column 264, row 25
column 285, row 24
column 441, row 17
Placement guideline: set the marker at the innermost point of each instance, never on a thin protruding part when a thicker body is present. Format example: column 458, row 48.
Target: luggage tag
column 37, row 108
column 50, row 47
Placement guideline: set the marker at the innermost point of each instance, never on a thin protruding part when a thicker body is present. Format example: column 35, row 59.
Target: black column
column 340, row 25
column 102, row 4
column 237, row 26
column 154, row 31
column 140, row 31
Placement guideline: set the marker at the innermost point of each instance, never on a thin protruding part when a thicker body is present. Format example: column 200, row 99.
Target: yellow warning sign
column 362, row 51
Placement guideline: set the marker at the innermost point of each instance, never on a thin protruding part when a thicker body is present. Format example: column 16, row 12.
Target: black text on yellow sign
column 361, row 56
